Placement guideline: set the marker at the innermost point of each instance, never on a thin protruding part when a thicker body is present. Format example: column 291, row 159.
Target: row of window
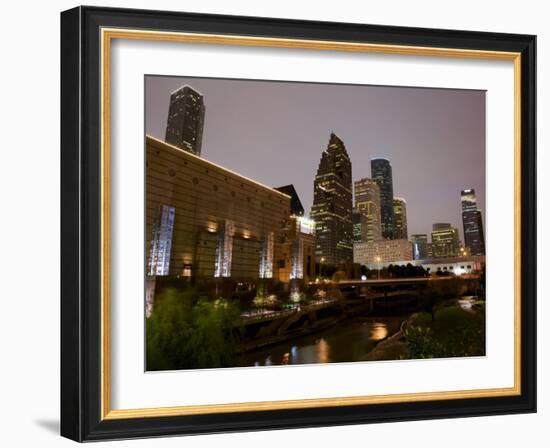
column 450, row 268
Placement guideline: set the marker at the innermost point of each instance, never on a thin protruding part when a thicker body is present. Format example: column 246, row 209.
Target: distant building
column 472, row 222
column 298, row 250
column 332, row 205
column 453, row 265
column 429, row 248
column 384, row 251
column 367, row 203
column 381, row 173
column 360, row 227
column 400, row 231
column 205, row 221
column 420, row 246
column 296, row 207
column 445, row 241
column 185, row 123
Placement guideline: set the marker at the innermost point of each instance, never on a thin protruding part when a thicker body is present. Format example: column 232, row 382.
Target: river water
column 349, row 340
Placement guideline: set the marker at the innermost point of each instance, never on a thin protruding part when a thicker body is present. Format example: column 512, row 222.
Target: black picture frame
column 81, row 227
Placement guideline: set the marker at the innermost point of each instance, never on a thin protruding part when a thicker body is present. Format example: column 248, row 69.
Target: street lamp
column 378, row 261
column 321, row 261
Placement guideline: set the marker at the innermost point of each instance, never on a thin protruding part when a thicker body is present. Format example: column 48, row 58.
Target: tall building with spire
column 367, row 203
column 381, row 173
column 332, row 205
column 185, row 122
column 473, row 225
column 400, row 231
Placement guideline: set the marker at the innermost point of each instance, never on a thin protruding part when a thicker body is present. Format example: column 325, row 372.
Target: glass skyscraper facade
column 360, row 227
column 367, row 203
column 445, row 241
column 400, row 231
column 332, row 205
column 185, row 122
column 381, row 173
column 473, row 225
column 420, row 246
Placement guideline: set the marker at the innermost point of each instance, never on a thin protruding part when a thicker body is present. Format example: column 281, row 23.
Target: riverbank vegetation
column 189, row 332
column 454, row 332
column 451, row 328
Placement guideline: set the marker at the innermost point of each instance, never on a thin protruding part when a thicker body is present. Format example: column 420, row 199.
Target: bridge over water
column 404, row 281
column 383, row 289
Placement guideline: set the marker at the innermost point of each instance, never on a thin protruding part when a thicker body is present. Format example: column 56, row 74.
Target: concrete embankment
column 318, row 325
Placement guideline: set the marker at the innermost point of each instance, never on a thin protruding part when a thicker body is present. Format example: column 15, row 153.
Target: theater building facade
column 206, row 221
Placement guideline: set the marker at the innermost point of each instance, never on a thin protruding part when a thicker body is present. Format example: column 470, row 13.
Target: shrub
column 186, row 332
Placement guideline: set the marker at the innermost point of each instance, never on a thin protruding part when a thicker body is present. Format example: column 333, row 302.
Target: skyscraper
column 360, row 227
column 445, row 240
column 471, row 220
column 381, row 173
column 400, row 231
column 186, row 120
column 332, row 205
column 420, row 246
column 367, row 203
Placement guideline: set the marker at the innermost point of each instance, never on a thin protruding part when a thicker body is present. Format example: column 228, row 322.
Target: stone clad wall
column 206, row 196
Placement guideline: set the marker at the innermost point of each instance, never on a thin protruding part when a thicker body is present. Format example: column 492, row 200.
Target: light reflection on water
column 378, row 331
column 347, row 341
column 323, row 351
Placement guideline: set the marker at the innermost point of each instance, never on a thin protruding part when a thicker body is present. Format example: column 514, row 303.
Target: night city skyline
column 241, row 257
column 434, row 154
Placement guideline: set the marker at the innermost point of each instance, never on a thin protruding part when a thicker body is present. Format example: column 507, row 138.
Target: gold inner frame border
column 107, row 36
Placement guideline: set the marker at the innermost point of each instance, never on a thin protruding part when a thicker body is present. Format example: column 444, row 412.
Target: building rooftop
column 296, row 206
column 155, row 141
column 188, row 86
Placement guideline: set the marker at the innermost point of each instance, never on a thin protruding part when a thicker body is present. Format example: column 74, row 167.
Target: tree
column 186, row 332
column 438, row 291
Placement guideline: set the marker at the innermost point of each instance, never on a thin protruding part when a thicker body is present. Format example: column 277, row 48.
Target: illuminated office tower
column 186, row 120
column 367, row 203
column 332, row 205
column 445, row 242
column 473, row 225
column 360, row 227
column 400, row 219
column 381, row 173
column 420, row 246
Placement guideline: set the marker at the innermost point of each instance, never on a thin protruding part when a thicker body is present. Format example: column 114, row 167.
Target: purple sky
column 274, row 132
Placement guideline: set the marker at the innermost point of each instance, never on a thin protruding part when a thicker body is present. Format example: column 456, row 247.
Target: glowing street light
column 378, row 261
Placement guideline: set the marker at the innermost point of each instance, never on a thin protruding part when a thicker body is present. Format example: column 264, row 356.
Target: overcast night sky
column 274, row 132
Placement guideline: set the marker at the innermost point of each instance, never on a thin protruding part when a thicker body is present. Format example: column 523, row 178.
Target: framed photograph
column 276, row 224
